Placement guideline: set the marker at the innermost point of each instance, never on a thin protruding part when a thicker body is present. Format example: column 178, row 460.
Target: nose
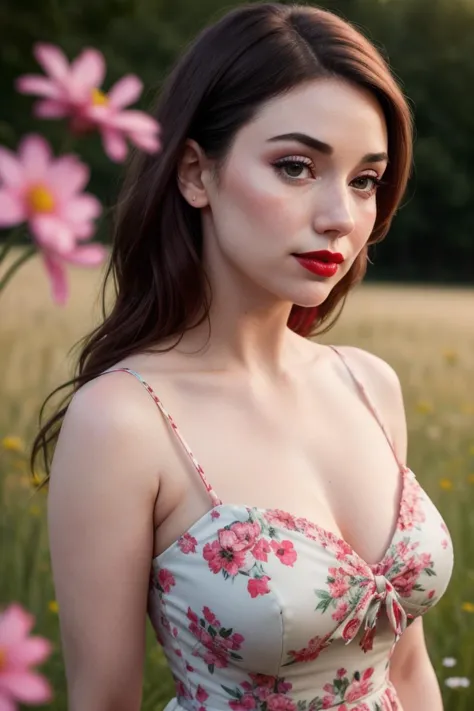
column 333, row 213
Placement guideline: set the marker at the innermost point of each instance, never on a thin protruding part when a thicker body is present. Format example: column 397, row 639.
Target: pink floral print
column 269, row 693
column 219, row 644
column 411, row 507
column 243, row 547
column 310, row 652
column 187, row 544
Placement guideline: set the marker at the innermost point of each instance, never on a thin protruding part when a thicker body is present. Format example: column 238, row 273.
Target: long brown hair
column 252, row 54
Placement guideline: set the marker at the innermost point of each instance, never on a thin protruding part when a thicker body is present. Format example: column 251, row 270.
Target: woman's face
column 283, row 196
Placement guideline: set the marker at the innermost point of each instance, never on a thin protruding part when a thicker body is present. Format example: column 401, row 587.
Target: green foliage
column 429, row 43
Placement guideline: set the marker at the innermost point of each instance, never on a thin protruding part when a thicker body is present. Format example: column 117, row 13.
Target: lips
column 322, row 263
column 322, row 255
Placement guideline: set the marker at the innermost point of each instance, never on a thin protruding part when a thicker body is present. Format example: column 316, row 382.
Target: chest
column 320, row 455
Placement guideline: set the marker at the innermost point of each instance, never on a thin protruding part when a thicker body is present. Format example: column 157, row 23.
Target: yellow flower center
column 40, row 199
column 99, row 98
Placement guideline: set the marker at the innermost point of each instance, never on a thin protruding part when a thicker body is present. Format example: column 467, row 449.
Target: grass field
column 426, row 334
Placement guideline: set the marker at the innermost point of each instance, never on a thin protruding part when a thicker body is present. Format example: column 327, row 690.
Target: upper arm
column 384, row 387
column 100, row 519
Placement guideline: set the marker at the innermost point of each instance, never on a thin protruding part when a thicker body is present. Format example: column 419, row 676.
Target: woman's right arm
column 103, row 488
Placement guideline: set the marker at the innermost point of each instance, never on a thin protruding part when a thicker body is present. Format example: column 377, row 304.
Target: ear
column 194, row 174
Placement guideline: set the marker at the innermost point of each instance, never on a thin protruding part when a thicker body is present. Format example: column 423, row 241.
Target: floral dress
column 259, row 609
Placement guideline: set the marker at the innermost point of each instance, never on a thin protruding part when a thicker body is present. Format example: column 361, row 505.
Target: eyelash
column 280, row 164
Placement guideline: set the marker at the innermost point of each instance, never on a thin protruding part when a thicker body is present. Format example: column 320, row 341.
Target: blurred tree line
column 429, row 43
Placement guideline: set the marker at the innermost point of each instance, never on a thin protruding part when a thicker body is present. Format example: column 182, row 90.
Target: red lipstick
column 323, row 263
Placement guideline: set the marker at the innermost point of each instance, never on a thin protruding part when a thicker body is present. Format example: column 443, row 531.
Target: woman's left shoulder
column 376, row 370
column 382, row 383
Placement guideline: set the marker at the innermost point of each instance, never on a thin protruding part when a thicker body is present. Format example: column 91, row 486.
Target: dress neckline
column 324, row 532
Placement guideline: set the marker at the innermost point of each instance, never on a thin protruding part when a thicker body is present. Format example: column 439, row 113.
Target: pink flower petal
column 126, row 91
column 51, row 109
column 33, row 650
column 81, row 209
column 15, row 624
column 89, row 255
column 12, row 209
column 6, row 703
column 35, row 154
column 10, row 168
column 114, row 144
column 52, row 234
column 148, row 143
column 57, row 275
column 27, row 687
column 41, row 86
column 68, row 175
column 88, row 69
column 52, row 59
column 83, row 230
column 135, row 122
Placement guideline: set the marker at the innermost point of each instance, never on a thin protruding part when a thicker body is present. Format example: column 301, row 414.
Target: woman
column 292, row 569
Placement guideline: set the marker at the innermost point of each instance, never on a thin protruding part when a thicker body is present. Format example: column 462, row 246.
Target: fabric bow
column 380, row 595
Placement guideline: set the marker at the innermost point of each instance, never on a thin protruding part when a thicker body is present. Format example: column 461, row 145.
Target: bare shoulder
column 383, row 385
column 378, row 371
column 112, row 416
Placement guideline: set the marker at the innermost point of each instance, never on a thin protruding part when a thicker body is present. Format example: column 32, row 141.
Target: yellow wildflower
column 53, row 606
column 467, row 607
column 13, row 444
column 446, row 484
column 38, row 479
column 424, row 407
column 451, row 357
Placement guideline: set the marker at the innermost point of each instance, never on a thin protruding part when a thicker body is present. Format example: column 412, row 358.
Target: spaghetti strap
column 214, row 498
column 370, row 404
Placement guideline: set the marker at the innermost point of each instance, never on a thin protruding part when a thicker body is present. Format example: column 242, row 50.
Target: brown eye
column 290, row 168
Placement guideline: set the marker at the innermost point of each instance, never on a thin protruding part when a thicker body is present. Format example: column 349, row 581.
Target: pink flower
column 350, row 630
column 357, row 689
column 240, row 536
column 46, row 192
column 311, row 652
column 279, row 702
column 220, row 558
column 165, row 580
column 246, row 703
column 18, row 652
column 341, row 611
column 281, row 518
column 72, row 91
column 201, row 694
column 258, row 586
column 339, row 587
column 285, row 551
column 261, row 550
column 187, row 543
column 210, row 617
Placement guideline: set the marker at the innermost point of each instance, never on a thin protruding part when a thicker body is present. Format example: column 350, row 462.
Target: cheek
column 259, row 200
column 365, row 222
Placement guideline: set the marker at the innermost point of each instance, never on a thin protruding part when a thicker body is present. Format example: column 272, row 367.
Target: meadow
column 426, row 334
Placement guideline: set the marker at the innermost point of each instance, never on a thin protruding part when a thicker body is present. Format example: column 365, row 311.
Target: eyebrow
column 324, row 148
